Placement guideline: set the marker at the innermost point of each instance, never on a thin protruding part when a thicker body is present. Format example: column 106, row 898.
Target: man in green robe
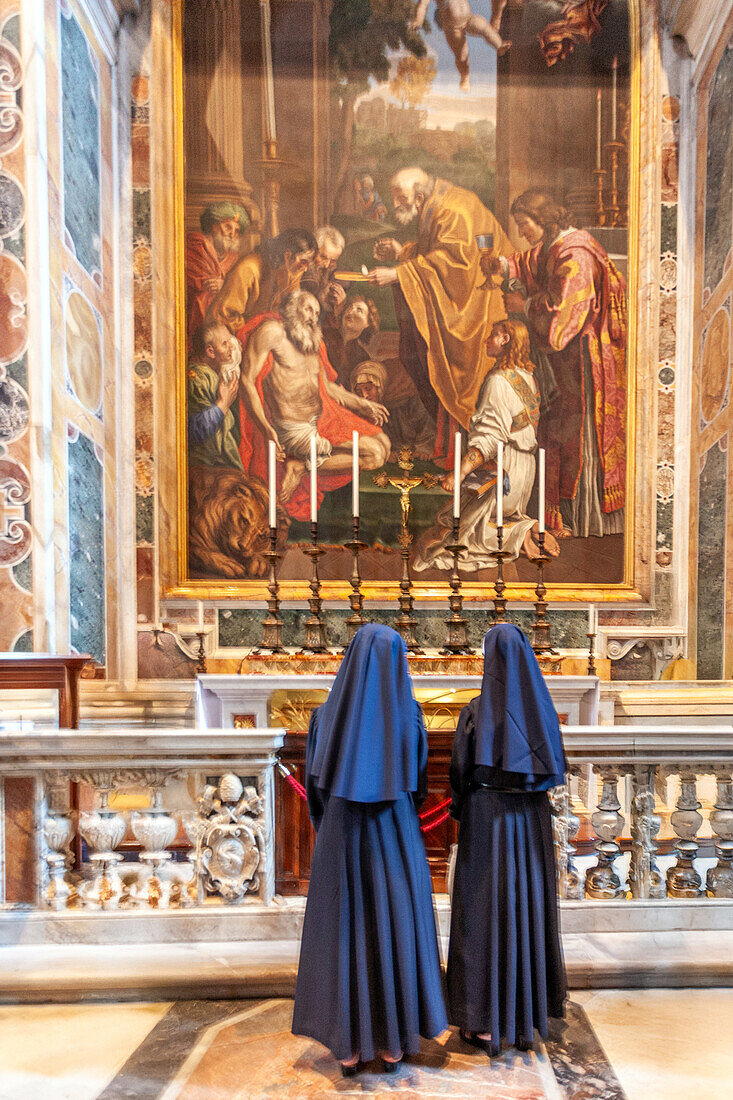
column 212, row 387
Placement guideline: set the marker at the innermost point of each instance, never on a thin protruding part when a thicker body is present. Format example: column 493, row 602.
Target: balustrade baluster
column 645, row 878
column 720, row 878
column 58, row 830
column 601, row 880
column 103, row 831
column 565, row 825
column 683, row 880
column 155, row 829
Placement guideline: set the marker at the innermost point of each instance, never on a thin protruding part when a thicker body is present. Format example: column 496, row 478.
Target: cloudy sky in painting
column 446, row 105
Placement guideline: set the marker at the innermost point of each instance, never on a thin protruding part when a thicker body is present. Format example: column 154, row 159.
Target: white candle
column 355, row 474
column 272, row 480
column 201, row 615
column 541, row 507
column 591, row 619
column 598, row 129
column 314, row 480
column 500, row 484
column 457, row 477
column 613, row 98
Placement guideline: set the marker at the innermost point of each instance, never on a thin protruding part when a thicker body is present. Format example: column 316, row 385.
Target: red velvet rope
column 434, row 809
column 301, row 792
column 434, row 824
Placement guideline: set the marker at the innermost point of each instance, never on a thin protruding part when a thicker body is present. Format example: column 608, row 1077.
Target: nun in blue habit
column 369, row 980
column 506, row 974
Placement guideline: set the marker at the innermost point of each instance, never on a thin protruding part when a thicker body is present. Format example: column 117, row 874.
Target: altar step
column 172, row 971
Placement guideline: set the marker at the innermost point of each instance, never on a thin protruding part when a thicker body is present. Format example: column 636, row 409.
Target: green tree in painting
column 362, row 35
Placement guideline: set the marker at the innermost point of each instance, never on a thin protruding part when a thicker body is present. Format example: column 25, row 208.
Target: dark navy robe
column 369, row 979
column 505, row 968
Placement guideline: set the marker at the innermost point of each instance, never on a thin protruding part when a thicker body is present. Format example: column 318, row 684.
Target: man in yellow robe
column 261, row 281
column 442, row 309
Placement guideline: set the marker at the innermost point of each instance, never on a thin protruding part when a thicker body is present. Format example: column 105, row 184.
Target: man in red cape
column 210, row 254
column 288, row 393
column 574, row 301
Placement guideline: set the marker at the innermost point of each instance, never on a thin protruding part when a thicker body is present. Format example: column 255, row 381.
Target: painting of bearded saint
column 430, row 273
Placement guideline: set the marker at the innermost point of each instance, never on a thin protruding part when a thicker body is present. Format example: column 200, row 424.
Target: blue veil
column 369, row 742
column 517, row 728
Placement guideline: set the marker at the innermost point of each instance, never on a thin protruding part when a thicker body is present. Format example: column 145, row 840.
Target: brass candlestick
column 404, row 623
column 499, row 585
column 591, row 656
column 541, row 626
column 272, row 625
column 356, row 600
column 316, row 639
column 457, row 635
column 201, row 655
column 614, row 211
column 600, row 173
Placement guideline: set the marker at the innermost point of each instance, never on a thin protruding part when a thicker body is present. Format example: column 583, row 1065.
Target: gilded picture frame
column 176, row 576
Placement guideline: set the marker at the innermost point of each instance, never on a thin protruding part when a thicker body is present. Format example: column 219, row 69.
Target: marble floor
column 644, row 1045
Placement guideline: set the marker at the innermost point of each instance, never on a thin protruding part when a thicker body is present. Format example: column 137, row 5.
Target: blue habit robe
column 369, row 979
column 505, row 968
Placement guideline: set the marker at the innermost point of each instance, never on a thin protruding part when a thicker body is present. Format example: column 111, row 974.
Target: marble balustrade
column 148, row 820
column 159, row 820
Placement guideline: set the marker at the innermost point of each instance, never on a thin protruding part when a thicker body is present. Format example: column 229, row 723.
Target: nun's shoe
column 487, row 1045
column 390, row 1066
column 524, row 1044
column 350, row 1069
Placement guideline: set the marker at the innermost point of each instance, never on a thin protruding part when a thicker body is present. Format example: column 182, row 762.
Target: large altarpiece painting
column 407, row 219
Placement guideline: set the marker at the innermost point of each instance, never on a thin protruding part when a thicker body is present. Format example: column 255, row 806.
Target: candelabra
column 316, row 639
column 591, row 656
column 600, row 173
column 614, row 211
column 456, row 635
column 499, row 585
column 272, row 625
column 356, row 600
column 541, row 626
column 405, row 482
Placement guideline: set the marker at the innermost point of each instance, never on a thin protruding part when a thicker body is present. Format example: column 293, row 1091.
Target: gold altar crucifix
column 405, row 482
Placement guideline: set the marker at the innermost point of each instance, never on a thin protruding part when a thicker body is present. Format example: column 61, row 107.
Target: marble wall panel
column 712, row 497
column 711, row 520
column 15, row 453
column 719, row 174
column 87, row 604
column 21, row 865
column 144, row 375
column 80, row 89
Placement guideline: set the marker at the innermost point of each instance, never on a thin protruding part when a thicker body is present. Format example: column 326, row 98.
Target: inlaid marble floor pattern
column 644, row 1045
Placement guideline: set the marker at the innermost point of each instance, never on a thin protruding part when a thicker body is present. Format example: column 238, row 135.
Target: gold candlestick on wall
column 405, row 623
column 614, row 210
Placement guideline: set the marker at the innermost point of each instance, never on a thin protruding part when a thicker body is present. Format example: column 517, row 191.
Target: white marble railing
column 142, row 799
column 629, row 781
column 184, row 819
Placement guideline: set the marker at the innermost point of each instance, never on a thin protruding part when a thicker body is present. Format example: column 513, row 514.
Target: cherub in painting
column 457, row 21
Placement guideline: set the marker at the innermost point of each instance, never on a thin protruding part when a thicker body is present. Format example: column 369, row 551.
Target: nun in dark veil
column 369, row 981
column 505, row 967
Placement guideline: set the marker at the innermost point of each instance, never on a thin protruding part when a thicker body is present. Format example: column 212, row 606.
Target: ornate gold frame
column 173, row 514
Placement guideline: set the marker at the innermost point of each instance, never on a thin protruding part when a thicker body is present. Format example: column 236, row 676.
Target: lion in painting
column 228, row 528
